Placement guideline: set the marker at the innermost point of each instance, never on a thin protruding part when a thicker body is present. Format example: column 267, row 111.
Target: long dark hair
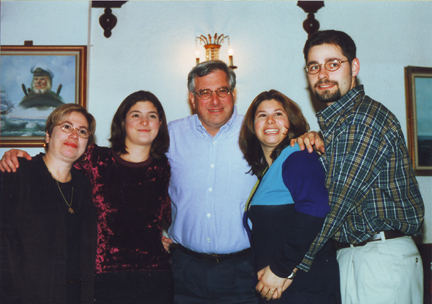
column 160, row 144
column 248, row 141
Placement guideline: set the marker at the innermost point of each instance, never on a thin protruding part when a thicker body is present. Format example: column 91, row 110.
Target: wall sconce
column 212, row 47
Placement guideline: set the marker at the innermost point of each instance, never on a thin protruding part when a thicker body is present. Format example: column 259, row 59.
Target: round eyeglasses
column 68, row 128
column 207, row 93
column 331, row 65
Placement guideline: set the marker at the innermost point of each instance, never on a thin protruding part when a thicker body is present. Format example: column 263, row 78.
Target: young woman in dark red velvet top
column 130, row 193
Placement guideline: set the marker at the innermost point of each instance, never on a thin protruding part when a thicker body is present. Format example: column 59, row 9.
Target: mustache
column 325, row 81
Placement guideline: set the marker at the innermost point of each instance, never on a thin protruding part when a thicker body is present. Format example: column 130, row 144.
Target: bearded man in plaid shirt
column 375, row 201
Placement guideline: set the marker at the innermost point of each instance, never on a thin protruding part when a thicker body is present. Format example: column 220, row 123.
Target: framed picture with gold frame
column 418, row 89
column 34, row 81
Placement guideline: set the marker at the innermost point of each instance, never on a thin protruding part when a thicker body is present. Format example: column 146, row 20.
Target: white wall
column 153, row 48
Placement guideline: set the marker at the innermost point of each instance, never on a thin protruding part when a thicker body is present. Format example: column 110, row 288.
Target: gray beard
column 42, row 91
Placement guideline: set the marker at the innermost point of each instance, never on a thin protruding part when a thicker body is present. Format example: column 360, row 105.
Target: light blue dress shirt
column 209, row 186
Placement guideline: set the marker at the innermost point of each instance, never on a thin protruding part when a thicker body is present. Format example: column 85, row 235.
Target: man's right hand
column 310, row 140
column 9, row 161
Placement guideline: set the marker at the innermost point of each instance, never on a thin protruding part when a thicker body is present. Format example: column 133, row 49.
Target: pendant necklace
column 71, row 211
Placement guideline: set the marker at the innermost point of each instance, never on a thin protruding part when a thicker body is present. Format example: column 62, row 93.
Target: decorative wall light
column 212, row 46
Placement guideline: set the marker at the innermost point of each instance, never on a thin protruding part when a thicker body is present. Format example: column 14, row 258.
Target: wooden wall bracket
column 310, row 25
column 107, row 21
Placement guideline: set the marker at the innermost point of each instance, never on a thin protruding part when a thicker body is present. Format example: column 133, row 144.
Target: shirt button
column 208, row 215
column 210, row 189
column 208, row 240
column 212, row 165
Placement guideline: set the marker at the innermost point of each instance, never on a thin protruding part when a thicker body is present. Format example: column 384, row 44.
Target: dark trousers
column 133, row 287
column 196, row 280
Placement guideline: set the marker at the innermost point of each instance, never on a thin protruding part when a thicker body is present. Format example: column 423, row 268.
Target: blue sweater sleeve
column 305, row 179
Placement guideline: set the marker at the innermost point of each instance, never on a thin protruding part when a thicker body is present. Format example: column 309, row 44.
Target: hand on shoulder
column 310, row 140
column 9, row 162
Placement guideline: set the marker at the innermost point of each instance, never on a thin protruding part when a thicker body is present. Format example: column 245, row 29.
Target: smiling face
column 142, row 124
column 271, row 124
column 67, row 146
column 216, row 111
column 331, row 86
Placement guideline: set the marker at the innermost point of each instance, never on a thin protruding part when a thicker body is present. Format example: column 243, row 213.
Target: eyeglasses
column 207, row 93
column 331, row 65
column 68, row 128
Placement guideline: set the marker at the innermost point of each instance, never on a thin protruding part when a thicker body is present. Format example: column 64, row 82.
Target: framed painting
column 34, row 81
column 418, row 89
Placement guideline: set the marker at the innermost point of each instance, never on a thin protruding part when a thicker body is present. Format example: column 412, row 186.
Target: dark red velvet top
column 131, row 200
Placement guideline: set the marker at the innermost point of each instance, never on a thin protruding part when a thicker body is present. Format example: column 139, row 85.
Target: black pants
column 134, row 287
column 201, row 282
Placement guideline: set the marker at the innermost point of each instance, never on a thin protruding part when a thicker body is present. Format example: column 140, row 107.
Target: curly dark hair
column 248, row 141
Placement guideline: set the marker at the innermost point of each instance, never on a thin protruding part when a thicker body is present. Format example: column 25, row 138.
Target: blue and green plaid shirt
column 370, row 180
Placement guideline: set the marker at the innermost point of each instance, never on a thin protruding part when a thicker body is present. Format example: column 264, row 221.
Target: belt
column 388, row 234
column 213, row 257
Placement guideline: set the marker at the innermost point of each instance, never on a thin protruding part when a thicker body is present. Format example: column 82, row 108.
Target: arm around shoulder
column 9, row 161
column 310, row 140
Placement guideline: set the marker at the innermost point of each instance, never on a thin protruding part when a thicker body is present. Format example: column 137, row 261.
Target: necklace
column 71, row 211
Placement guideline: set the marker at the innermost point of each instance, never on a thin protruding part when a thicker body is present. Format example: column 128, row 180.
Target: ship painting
column 6, row 104
column 18, row 126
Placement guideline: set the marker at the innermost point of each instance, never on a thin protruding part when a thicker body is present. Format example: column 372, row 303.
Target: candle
column 230, row 55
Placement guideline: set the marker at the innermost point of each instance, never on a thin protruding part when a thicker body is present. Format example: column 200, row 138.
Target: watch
column 292, row 275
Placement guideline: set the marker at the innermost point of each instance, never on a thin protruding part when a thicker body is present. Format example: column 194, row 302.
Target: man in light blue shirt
column 209, row 188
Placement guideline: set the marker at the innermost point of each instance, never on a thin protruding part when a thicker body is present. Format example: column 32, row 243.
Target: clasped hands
column 270, row 286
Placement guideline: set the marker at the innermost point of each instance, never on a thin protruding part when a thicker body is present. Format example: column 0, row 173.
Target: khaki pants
column 381, row 272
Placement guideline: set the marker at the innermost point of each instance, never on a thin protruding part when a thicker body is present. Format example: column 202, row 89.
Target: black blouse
column 47, row 253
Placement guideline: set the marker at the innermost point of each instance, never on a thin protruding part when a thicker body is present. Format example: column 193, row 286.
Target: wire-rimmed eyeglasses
column 207, row 93
column 331, row 65
column 68, row 128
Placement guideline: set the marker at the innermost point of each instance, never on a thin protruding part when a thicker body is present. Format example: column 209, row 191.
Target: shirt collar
column 199, row 126
column 326, row 116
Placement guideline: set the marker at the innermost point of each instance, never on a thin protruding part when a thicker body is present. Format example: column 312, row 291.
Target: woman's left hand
column 271, row 286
